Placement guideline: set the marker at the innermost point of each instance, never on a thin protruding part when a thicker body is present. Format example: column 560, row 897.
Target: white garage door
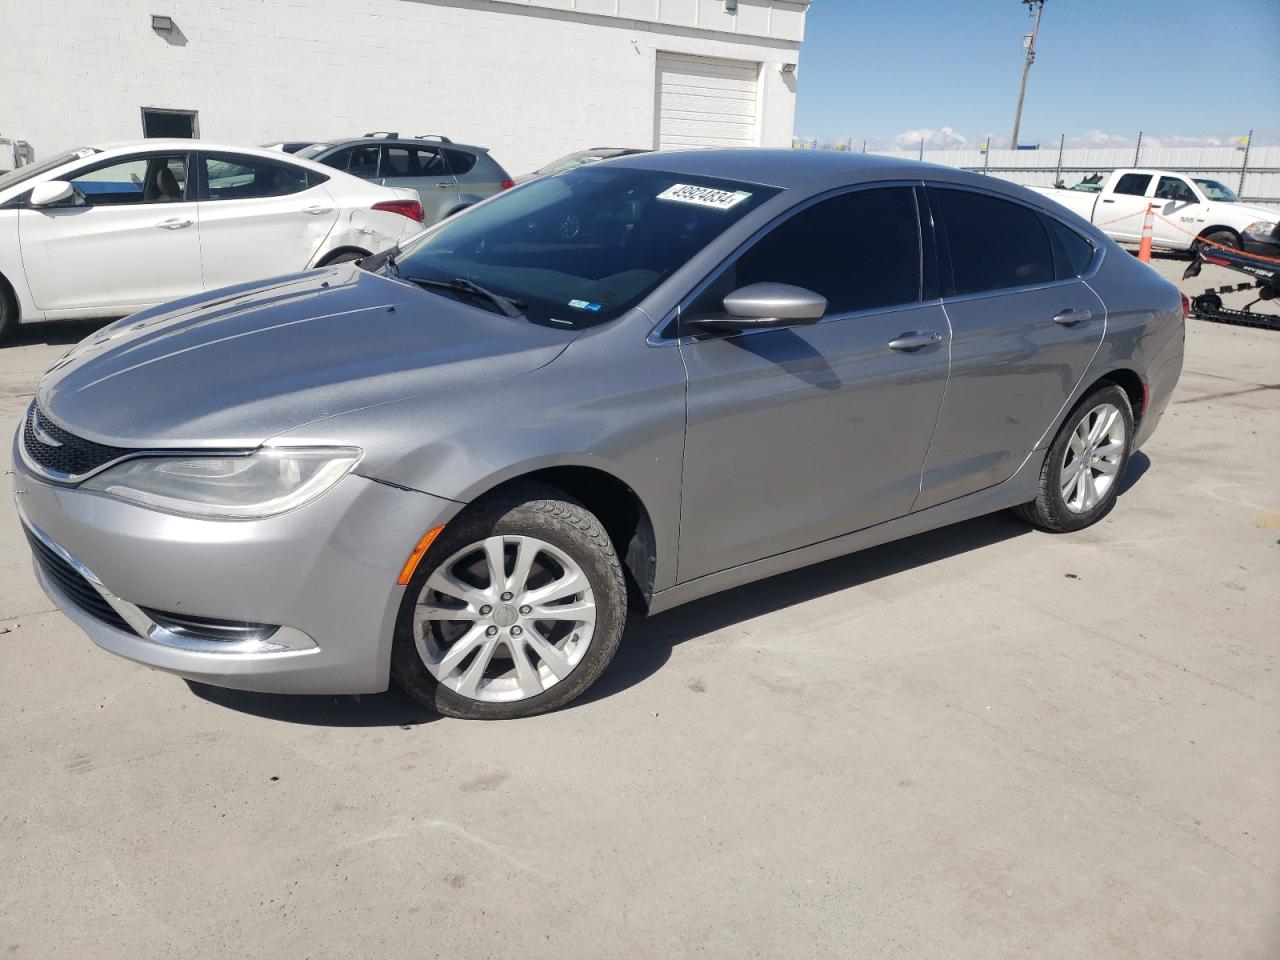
column 704, row 102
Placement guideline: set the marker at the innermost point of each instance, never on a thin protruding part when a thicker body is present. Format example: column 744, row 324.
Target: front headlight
column 1262, row 228
column 246, row 487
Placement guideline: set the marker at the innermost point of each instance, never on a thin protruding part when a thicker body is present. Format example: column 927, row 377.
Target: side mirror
column 49, row 192
column 762, row 305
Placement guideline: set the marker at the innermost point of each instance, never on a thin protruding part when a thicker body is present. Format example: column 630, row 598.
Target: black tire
column 1049, row 511
column 532, row 510
column 8, row 312
column 457, row 210
column 1206, row 303
column 1227, row 238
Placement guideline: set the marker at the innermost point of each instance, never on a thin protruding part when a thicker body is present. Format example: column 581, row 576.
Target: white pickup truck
column 1191, row 207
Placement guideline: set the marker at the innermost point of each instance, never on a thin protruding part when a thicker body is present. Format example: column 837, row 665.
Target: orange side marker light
column 410, row 565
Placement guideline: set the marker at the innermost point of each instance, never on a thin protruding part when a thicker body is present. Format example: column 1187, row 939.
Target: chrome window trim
column 655, row 339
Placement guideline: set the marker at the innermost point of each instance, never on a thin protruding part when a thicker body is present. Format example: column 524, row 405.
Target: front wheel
column 1081, row 475
column 1216, row 240
column 516, row 609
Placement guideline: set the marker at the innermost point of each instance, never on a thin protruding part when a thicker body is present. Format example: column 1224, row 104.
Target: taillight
column 406, row 208
column 1186, row 306
column 507, row 184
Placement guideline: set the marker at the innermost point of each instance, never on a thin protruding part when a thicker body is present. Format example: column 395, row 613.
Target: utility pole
column 1030, row 43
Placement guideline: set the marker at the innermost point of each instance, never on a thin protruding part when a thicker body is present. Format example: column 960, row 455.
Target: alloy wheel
column 1091, row 462
column 504, row 619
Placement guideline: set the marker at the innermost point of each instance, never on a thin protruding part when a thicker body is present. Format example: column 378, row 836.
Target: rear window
column 243, row 178
column 460, row 162
column 995, row 244
column 1133, row 184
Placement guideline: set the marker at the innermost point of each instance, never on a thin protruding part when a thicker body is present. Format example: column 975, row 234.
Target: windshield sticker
column 704, row 196
column 585, row 305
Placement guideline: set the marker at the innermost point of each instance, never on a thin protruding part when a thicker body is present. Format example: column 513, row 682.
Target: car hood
column 1257, row 213
column 237, row 367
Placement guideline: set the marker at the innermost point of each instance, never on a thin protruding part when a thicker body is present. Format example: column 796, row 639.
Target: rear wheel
column 346, row 256
column 1081, row 475
column 515, row 610
column 1220, row 238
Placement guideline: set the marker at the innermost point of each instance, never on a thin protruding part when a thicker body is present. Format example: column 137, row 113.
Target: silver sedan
column 615, row 390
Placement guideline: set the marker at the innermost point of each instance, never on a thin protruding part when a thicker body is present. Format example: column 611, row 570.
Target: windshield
column 582, row 248
column 14, row 177
column 569, row 162
column 306, row 153
column 1217, row 191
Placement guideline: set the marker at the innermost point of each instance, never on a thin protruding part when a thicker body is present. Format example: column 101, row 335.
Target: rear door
column 1123, row 207
column 1025, row 327
column 129, row 238
column 259, row 218
column 423, row 169
column 799, row 434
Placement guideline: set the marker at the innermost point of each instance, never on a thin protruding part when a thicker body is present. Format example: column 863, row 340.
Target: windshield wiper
column 511, row 307
column 385, row 259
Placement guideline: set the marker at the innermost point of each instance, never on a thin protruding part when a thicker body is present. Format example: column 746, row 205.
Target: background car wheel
column 1081, row 474
column 1224, row 237
column 515, row 610
column 8, row 312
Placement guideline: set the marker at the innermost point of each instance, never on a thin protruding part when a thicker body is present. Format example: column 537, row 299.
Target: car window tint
column 1175, row 188
column 1133, row 184
column 243, row 178
column 137, row 180
column 1072, row 253
column 412, row 162
column 995, row 244
column 363, row 162
column 860, row 250
column 338, row 159
column 460, row 162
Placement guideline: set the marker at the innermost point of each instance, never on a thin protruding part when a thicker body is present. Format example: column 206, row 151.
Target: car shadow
column 53, row 333
column 649, row 641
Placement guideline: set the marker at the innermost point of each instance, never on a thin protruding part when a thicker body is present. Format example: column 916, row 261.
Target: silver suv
column 448, row 176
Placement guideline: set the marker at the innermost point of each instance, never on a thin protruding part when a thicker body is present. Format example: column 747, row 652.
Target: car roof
column 804, row 171
column 403, row 141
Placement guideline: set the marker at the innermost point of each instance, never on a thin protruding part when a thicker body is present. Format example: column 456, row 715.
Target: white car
column 106, row 231
column 1190, row 209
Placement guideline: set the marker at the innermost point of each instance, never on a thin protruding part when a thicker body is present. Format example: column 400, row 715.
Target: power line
column 1026, row 67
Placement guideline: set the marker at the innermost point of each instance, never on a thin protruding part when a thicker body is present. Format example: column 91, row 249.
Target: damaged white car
column 106, row 231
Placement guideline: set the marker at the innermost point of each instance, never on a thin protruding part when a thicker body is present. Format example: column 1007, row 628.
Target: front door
column 1181, row 213
column 259, row 218
column 129, row 238
column 799, row 434
column 1025, row 328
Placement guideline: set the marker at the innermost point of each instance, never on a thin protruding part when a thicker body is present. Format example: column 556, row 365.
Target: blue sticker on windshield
column 585, row 305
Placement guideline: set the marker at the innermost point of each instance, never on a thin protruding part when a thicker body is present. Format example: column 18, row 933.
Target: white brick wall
column 531, row 79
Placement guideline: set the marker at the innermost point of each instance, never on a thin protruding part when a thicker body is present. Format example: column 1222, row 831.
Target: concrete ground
column 979, row 742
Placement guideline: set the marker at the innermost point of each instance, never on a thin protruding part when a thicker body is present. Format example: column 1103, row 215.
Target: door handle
column 444, row 186
column 1069, row 318
column 316, row 210
column 1107, row 200
column 174, row 223
column 914, row 341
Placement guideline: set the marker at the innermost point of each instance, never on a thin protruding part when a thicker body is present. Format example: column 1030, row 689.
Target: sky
column 1182, row 71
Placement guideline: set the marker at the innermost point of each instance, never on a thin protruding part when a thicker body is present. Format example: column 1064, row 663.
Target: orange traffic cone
column 1144, row 248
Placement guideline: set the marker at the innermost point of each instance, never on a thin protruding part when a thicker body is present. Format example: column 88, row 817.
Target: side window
column 1133, row 184
column 246, row 178
column 1072, row 253
column 364, row 161
column 338, row 159
column 1175, row 188
column 412, row 162
column 460, row 162
column 995, row 244
column 139, row 180
column 860, row 250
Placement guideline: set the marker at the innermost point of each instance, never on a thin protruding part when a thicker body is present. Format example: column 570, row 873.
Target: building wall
column 531, row 79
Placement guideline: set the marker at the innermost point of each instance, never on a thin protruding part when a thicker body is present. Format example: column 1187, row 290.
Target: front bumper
column 324, row 574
